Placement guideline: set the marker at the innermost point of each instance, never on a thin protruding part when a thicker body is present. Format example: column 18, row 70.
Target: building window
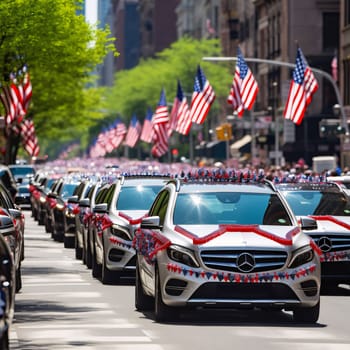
column 330, row 31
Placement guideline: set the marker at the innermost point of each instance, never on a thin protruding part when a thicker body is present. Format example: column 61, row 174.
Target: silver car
column 128, row 199
column 230, row 242
column 328, row 204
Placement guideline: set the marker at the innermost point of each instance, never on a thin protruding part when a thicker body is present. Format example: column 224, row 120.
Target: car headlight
column 301, row 256
column 182, row 256
column 118, row 231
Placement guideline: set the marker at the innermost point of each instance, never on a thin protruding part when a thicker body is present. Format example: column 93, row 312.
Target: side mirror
column 308, row 223
column 73, row 200
column 151, row 222
column 16, row 213
column 100, row 208
column 84, row 203
column 6, row 226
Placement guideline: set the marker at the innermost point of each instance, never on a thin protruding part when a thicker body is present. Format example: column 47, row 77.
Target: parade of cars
column 327, row 203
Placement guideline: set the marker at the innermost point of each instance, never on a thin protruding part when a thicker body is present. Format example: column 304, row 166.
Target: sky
column 91, row 11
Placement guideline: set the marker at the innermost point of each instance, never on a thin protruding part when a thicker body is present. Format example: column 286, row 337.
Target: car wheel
column 88, row 257
column 96, row 267
column 162, row 312
column 307, row 314
column 68, row 242
column 108, row 276
column 143, row 302
column 4, row 341
column 78, row 250
column 18, row 279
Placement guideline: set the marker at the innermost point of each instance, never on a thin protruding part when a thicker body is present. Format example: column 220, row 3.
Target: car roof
column 309, row 186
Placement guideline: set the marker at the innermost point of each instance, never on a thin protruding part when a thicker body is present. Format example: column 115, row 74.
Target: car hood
column 242, row 235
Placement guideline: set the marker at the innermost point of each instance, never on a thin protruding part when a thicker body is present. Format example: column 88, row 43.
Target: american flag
column 302, row 87
column 244, row 87
column 160, row 127
column 180, row 113
column 96, row 149
column 134, row 132
column 147, row 130
column 29, row 139
column 202, row 98
column 120, row 131
column 27, row 89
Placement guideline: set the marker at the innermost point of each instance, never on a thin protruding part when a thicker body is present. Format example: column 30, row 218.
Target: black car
column 58, row 199
column 7, row 278
column 16, row 240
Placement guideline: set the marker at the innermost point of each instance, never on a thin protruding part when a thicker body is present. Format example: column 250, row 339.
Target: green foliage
column 137, row 88
column 61, row 51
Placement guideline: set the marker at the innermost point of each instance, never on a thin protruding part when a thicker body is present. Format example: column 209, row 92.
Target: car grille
column 338, row 242
column 246, row 291
column 226, row 260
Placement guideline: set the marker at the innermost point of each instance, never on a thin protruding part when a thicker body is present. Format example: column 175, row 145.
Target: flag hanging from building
column 334, row 68
column 180, row 113
column 160, row 122
column 134, row 132
column 302, row 87
column 244, row 87
column 147, row 130
column 202, row 98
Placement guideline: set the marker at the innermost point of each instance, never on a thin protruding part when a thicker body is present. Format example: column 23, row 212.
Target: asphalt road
column 61, row 306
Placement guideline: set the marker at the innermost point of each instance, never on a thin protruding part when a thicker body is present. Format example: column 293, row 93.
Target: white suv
column 225, row 241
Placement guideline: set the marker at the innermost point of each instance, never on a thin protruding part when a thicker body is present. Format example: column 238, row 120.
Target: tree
column 136, row 89
column 61, row 51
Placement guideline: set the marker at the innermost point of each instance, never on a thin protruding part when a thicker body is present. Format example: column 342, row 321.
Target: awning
column 236, row 146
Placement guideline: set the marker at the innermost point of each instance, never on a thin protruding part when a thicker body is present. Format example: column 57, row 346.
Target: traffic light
column 224, row 132
column 331, row 128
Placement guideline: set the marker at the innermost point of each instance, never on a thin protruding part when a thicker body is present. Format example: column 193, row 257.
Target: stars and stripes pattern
column 160, row 127
column 29, row 139
column 202, row 98
column 147, row 129
column 134, row 132
column 180, row 112
column 244, row 87
column 302, row 87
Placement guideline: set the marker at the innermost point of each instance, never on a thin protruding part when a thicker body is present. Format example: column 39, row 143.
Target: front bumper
column 287, row 289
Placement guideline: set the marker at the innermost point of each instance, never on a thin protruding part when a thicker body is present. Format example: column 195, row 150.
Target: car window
column 229, row 208
column 137, row 197
column 318, row 203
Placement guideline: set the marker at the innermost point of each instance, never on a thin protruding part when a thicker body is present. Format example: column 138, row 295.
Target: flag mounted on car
column 302, row 87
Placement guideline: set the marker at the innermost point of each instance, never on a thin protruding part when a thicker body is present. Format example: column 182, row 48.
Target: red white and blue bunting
column 242, row 278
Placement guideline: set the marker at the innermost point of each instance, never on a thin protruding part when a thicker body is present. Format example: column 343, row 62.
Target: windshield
column 67, row 190
column 22, row 171
column 318, row 203
column 230, row 208
column 137, row 197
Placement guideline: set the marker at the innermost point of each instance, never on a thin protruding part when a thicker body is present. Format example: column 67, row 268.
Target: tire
column 18, row 279
column 162, row 312
column 4, row 341
column 307, row 314
column 143, row 302
column 108, row 276
column 78, row 250
column 96, row 268
column 88, row 257
column 68, row 242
